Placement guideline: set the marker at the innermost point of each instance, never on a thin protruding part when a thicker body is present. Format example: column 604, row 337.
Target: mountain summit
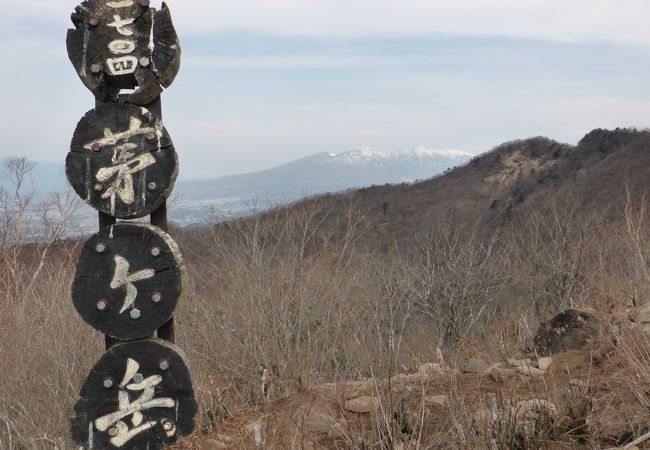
column 507, row 184
column 240, row 195
column 419, row 156
column 316, row 174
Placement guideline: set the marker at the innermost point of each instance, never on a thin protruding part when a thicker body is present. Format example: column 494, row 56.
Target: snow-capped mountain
column 420, row 156
column 316, row 174
column 238, row 195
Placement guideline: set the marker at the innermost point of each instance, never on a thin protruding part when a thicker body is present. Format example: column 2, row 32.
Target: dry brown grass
column 279, row 304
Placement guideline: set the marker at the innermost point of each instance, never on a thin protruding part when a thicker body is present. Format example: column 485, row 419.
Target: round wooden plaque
column 124, row 44
column 128, row 281
column 122, row 161
column 139, row 396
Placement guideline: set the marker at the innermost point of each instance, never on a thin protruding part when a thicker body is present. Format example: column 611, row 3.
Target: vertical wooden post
column 159, row 218
column 130, row 275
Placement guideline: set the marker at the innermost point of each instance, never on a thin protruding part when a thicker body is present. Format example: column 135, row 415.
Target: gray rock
column 544, row 363
column 530, row 371
column 316, row 423
column 527, row 414
column 503, row 374
column 436, row 400
column 363, row 405
column 430, row 369
column 213, row 444
column 570, row 330
column 642, row 313
column 577, row 383
column 522, row 418
column 475, row 366
column 519, row 362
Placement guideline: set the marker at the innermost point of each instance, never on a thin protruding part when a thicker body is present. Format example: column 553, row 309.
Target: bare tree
column 456, row 278
column 28, row 227
column 554, row 244
column 636, row 241
column 15, row 201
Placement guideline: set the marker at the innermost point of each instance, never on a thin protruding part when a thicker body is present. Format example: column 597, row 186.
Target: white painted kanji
column 122, row 277
column 122, row 25
column 123, row 65
column 121, row 47
column 122, row 185
column 125, row 165
column 122, row 432
column 113, row 138
column 120, row 4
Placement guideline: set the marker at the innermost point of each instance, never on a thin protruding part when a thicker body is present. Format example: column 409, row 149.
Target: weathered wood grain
column 122, row 161
column 153, row 380
column 124, row 44
column 128, row 281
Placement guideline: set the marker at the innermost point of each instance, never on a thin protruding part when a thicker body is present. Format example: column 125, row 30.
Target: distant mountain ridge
column 504, row 185
column 356, row 168
column 240, row 195
column 45, row 178
column 368, row 155
column 316, row 174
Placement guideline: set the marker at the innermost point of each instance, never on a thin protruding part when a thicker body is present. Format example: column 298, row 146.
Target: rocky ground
column 576, row 398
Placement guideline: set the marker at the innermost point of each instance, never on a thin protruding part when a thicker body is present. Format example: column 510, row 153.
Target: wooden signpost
column 120, row 150
column 124, row 44
column 130, row 276
column 128, row 281
column 138, row 396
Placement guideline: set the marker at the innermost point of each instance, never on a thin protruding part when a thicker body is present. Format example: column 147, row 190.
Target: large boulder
column 571, row 330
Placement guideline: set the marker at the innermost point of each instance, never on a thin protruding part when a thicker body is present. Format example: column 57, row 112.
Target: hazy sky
column 264, row 82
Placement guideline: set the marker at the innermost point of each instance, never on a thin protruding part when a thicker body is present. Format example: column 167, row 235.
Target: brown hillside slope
column 502, row 183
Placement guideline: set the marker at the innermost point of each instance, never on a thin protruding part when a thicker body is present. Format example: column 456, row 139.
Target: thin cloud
column 267, row 82
column 307, row 61
column 621, row 21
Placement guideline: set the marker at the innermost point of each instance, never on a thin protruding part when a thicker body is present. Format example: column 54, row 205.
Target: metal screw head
column 96, row 147
column 94, row 21
column 156, row 252
column 163, row 365
column 100, row 248
column 152, row 136
column 112, row 432
column 144, row 61
column 99, row 187
column 157, row 297
column 96, row 68
column 167, row 425
column 152, row 186
column 135, row 314
column 108, row 383
column 102, row 305
column 138, row 378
